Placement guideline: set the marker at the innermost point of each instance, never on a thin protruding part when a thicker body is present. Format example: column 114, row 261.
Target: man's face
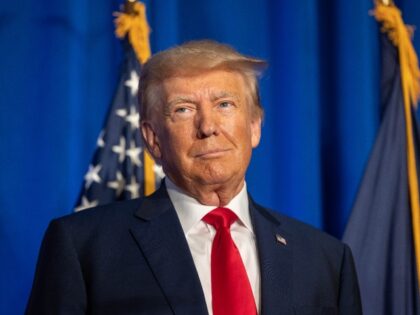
column 205, row 132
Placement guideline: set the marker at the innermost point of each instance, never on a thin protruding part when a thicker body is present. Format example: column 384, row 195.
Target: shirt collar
column 190, row 211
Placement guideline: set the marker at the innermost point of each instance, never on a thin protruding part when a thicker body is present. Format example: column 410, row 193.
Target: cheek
column 176, row 141
column 246, row 132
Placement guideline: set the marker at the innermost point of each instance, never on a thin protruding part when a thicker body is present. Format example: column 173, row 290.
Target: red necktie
column 231, row 290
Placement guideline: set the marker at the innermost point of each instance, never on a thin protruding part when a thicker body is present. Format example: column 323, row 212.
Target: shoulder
column 306, row 232
column 307, row 238
column 95, row 225
column 110, row 220
column 320, row 265
column 115, row 211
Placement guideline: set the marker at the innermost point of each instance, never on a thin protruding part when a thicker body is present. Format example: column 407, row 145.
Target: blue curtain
column 59, row 65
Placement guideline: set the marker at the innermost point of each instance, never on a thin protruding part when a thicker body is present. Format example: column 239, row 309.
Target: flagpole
column 128, row 6
column 133, row 24
column 385, row 2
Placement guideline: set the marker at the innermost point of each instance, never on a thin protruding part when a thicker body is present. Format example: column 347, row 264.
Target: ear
column 255, row 131
column 151, row 140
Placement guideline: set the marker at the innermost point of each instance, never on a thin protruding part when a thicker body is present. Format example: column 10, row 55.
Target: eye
column 225, row 104
column 182, row 110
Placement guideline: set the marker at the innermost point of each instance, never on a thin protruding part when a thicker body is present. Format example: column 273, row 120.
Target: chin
column 216, row 176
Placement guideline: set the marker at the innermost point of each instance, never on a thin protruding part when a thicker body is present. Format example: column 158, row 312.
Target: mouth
column 211, row 154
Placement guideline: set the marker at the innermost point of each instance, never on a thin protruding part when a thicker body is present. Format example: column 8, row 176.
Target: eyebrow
column 181, row 99
column 214, row 97
column 223, row 94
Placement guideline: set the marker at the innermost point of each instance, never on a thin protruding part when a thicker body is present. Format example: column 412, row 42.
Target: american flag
column 117, row 171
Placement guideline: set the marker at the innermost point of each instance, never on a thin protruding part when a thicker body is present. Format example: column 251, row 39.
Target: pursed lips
column 213, row 153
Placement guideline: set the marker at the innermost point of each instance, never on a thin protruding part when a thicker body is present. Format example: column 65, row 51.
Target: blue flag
column 380, row 229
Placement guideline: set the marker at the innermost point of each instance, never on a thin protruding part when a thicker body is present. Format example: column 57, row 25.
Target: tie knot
column 220, row 218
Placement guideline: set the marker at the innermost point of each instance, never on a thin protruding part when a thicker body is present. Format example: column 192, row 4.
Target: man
column 200, row 244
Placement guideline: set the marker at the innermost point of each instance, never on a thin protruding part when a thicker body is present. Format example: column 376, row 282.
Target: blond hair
column 193, row 58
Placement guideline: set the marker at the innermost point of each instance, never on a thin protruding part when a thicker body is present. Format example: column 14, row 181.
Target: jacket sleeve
column 58, row 286
column 349, row 298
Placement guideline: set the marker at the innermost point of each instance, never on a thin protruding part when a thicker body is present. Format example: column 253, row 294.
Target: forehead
column 207, row 83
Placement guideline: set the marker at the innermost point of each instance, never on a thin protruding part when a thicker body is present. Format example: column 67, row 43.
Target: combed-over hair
column 193, row 58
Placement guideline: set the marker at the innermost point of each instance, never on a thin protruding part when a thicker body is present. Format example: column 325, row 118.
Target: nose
column 207, row 124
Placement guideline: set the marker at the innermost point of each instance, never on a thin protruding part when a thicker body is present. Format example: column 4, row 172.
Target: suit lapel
column 275, row 254
column 161, row 239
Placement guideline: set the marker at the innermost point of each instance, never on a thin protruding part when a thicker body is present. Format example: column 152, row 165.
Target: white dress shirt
column 200, row 236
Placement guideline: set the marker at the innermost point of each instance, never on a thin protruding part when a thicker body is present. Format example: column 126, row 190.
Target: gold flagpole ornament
column 133, row 24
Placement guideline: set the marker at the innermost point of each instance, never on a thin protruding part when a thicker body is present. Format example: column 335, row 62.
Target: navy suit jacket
column 132, row 257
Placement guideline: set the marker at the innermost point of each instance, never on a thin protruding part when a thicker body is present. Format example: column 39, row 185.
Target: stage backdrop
column 59, row 65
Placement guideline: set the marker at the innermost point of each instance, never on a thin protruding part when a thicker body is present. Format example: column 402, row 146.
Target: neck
column 217, row 195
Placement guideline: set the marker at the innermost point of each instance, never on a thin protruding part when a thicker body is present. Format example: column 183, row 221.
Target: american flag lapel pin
column 280, row 239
